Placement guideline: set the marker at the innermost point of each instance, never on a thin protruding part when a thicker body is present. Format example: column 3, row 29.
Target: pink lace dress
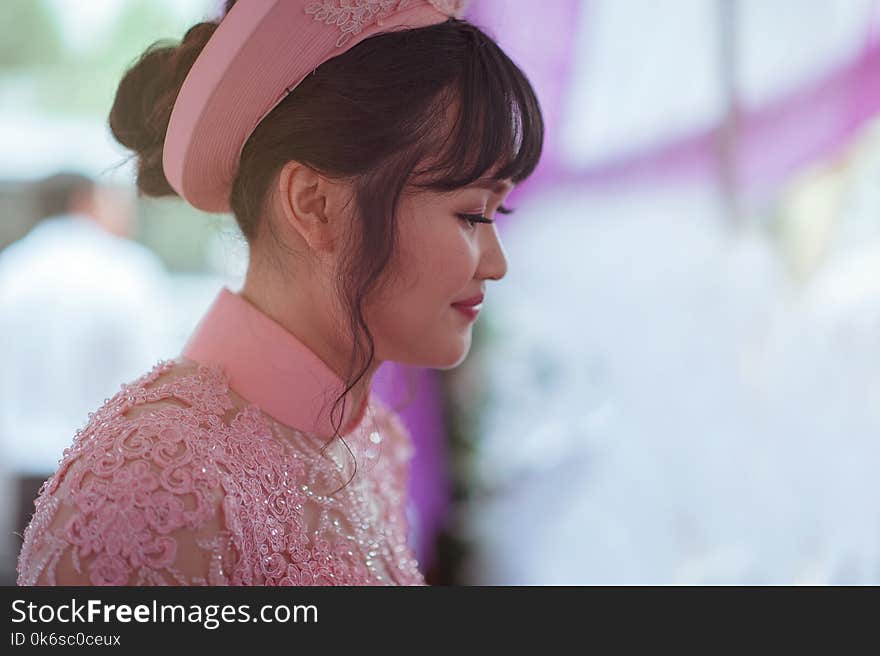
column 194, row 474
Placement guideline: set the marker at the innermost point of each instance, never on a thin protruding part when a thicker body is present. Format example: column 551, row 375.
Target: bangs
column 496, row 124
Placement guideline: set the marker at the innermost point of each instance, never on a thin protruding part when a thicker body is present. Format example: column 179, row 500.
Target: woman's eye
column 473, row 219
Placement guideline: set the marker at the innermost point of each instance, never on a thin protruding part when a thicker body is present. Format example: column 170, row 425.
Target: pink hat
column 261, row 50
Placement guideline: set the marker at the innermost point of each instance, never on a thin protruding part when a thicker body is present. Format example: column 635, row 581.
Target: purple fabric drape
column 429, row 486
column 773, row 141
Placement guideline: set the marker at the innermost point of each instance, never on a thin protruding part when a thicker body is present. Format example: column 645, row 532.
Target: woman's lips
column 470, row 311
column 470, row 307
column 473, row 300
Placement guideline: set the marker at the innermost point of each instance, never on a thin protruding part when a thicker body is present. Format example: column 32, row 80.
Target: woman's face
column 442, row 259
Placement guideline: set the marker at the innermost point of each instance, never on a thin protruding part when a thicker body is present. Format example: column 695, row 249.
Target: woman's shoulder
column 135, row 496
column 204, row 388
column 176, row 401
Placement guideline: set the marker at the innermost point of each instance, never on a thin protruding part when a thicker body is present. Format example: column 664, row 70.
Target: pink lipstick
column 470, row 307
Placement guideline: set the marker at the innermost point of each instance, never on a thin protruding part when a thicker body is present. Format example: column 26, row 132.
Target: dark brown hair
column 444, row 92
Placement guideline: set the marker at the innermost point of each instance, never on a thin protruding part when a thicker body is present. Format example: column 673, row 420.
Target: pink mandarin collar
column 269, row 366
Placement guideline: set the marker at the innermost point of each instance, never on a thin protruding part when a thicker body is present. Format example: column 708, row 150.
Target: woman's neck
column 305, row 317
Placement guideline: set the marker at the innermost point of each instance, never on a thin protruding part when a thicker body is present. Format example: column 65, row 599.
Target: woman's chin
column 456, row 355
column 436, row 354
column 448, row 359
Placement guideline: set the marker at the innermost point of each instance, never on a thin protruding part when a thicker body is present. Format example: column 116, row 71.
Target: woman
column 360, row 150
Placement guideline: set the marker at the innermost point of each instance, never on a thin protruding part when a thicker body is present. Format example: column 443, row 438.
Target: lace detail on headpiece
column 352, row 16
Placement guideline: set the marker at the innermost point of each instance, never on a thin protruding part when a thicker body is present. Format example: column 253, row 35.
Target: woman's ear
column 311, row 205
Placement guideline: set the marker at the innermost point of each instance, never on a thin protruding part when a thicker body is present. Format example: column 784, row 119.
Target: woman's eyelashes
column 473, row 219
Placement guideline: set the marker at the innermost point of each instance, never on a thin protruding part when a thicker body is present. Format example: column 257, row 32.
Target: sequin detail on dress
column 172, row 482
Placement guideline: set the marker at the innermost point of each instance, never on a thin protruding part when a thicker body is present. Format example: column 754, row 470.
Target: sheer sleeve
column 134, row 502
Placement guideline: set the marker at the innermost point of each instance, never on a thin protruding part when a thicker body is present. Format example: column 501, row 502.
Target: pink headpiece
column 259, row 53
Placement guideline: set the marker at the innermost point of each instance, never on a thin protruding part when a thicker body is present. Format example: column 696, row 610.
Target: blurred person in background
column 82, row 307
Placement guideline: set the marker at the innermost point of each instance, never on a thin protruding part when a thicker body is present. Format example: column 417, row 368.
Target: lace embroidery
column 196, row 489
column 454, row 8
column 352, row 16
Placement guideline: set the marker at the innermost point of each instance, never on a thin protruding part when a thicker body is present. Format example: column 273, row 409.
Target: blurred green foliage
column 29, row 37
column 82, row 81
column 42, row 73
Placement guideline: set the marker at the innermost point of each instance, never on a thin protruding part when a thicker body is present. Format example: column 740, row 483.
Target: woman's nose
column 493, row 262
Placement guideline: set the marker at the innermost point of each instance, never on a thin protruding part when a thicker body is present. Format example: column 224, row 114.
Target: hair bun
column 144, row 100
